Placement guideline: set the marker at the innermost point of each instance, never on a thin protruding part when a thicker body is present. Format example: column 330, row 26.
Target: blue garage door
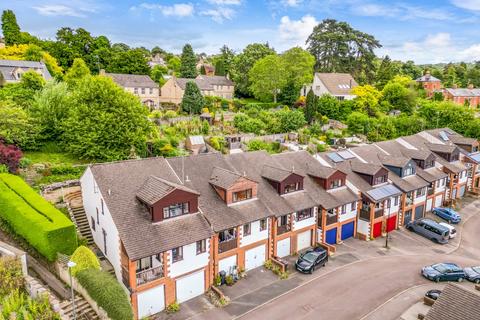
column 347, row 230
column 331, row 236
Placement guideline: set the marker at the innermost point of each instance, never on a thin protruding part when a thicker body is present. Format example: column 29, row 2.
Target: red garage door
column 391, row 223
column 377, row 229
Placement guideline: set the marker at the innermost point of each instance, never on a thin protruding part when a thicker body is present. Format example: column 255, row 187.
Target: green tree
column 360, row 123
column 202, row 70
column 224, row 62
column 192, row 101
column 290, row 93
column 290, row 120
column 399, row 97
column 106, row 122
column 329, row 106
column 84, row 259
column 32, row 80
column 268, row 76
column 77, row 71
column 310, row 106
column 157, row 50
column 131, row 62
column 16, row 127
column 205, row 127
column 173, row 64
column 188, row 63
column 158, row 72
column 10, row 28
column 220, row 68
column 299, row 66
column 367, row 99
column 385, row 73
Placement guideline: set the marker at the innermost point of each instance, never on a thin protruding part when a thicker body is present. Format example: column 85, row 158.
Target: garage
column 190, row 286
column 255, row 257
column 283, row 248
column 348, row 230
column 407, row 217
column 462, row 191
column 429, row 205
column 391, row 223
column 438, row 201
column 151, row 301
column 331, row 236
column 227, row 264
column 377, row 229
column 419, row 212
column 304, row 240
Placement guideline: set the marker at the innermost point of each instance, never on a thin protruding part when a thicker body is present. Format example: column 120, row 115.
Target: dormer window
column 242, row 195
column 380, row 179
column 408, row 171
column 337, row 183
column 429, row 164
column 292, row 187
column 175, row 210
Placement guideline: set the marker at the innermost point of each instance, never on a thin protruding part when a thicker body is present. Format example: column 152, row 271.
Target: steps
column 77, row 213
column 82, row 309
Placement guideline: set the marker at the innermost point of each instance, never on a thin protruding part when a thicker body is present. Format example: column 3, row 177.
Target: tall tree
column 310, row 106
column 10, row 29
column 338, row 47
column 188, row 65
column 299, row 64
column 385, row 73
column 77, row 71
column 132, row 62
column 268, row 76
column 220, row 68
column 225, row 61
column 192, row 101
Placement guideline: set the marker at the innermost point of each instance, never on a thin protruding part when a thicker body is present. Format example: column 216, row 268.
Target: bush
column 23, row 208
column 11, row 276
column 173, row 307
column 268, row 264
column 107, row 292
column 85, row 259
column 18, row 305
column 229, row 280
column 218, row 280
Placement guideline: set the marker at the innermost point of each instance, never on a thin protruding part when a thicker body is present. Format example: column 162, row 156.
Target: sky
column 432, row 31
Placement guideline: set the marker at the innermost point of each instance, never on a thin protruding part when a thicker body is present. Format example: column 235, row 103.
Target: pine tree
column 188, row 63
column 220, row 68
column 310, row 106
column 192, row 101
column 202, row 70
column 289, row 93
column 10, row 28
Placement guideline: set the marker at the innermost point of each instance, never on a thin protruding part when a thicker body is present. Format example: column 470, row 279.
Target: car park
column 453, row 231
column 430, row 229
column 308, row 261
column 443, row 272
column 433, row 294
column 472, row 274
column 447, row 214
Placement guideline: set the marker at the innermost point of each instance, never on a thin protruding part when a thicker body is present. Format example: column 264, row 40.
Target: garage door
column 190, row 286
column 419, row 212
column 391, row 223
column 304, row 240
column 283, row 248
column 151, row 301
column 429, row 205
column 438, row 201
column 347, row 230
column 462, row 191
column 254, row 257
column 407, row 217
column 227, row 264
column 331, row 236
column 377, row 229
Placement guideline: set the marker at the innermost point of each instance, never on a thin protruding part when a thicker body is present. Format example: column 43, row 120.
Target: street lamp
column 70, row 265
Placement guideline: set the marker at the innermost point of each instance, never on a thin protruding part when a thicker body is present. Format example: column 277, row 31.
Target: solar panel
column 383, row 192
column 444, row 136
column 345, row 154
column 335, row 157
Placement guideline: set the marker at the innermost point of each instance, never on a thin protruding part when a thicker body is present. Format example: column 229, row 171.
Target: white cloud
column 177, row 10
column 296, row 32
column 399, row 11
column 62, row 10
column 291, row 3
column 372, row 10
column 220, row 14
column 225, row 2
column 471, row 53
column 438, row 40
column 473, row 5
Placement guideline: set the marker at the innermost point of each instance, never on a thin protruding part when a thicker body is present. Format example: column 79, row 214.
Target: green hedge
column 107, row 292
column 43, row 226
column 85, row 259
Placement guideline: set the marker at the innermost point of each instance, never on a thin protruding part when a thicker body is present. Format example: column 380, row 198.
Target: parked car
column 433, row 294
column 444, row 272
column 448, row 214
column 430, row 229
column 453, row 231
column 473, row 274
column 307, row 262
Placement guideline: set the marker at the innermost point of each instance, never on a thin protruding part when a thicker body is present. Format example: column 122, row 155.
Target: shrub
column 85, row 259
column 107, row 292
column 10, row 156
column 218, row 280
column 23, row 209
column 173, row 307
column 3, row 168
column 268, row 264
column 229, row 280
column 18, row 305
column 11, row 276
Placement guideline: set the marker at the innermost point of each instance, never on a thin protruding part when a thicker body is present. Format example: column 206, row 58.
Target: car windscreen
column 440, row 268
column 309, row 257
column 476, row 269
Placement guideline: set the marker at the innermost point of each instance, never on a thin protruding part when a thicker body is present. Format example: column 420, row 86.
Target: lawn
column 55, row 158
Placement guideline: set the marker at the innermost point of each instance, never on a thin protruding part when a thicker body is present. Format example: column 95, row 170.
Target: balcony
column 408, row 202
column 331, row 219
column 227, row 245
column 430, row 191
column 365, row 214
column 148, row 275
column 379, row 212
column 283, row 228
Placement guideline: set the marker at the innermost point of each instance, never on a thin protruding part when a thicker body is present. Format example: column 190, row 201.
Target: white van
column 453, row 232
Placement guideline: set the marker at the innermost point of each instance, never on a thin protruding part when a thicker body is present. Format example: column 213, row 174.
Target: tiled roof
column 7, row 68
column 132, row 80
column 224, row 178
column 205, row 82
column 275, row 174
column 462, row 92
column 156, row 188
column 365, row 168
column 455, row 303
column 394, row 161
column 337, row 83
column 441, row 148
column 428, row 78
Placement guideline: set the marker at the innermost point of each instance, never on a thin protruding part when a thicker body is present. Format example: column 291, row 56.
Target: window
column 92, row 220
column 98, row 216
column 177, row 254
column 396, row 200
column 304, row 214
column 151, row 90
column 227, row 235
column 343, row 209
column 420, row 192
column 263, row 224
column 408, row 171
column 247, row 229
column 242, row 195
column 389, row 203
column 135, row 90
column 143, row 90
column 175, row 210
column 380, row 179
column 429, row 163
column 291, row 187
column 201, row 246
column 335, row 183
column 283, row 220
column 144, row 264
column 354, row 206
column 103, row 210
column 444, row 181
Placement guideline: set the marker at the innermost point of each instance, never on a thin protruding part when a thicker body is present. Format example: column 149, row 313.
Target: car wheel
column 324, row 264
column 312, row 269
column 437, row 279
column 460, row 279
column 477, row 281
column 434, row 240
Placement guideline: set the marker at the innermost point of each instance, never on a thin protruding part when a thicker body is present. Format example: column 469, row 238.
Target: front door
column 407, row 218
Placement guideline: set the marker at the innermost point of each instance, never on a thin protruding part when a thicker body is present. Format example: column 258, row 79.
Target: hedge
column 85, row 259
column 44, row 227
column 107, row 292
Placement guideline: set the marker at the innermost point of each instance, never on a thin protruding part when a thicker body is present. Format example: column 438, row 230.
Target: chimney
column 102, row 72
column 470, row 86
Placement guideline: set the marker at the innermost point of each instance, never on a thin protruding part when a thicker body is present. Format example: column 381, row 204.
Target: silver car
column 430, row 229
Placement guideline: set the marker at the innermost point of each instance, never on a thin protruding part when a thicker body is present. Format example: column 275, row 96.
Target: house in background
column 157, row 60
column 11, row 71
column 338, row 85
column 141, row 86
column 429, row 83
column 469, row 96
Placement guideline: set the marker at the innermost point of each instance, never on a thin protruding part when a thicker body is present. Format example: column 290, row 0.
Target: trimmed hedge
column 85, row 259
column 44, row 227
column 107, row 292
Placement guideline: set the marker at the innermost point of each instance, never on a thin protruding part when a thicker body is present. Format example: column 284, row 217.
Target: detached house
column 465, row 96
column 11, row 71
column 429, row 83
column 338, row 85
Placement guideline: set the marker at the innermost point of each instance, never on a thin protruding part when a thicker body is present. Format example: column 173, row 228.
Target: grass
column 52, row 158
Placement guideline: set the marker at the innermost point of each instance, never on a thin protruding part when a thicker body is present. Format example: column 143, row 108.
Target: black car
column 433, row 294
column 307, row 262
column 473, row 274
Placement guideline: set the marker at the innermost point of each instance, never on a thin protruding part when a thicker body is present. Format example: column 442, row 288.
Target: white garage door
column 151, row 301
column 429, row 205
column 255, row 257
column 438, row 201
column 190, row 286
column 304, row 240
column 283, row 248
column 227, row 264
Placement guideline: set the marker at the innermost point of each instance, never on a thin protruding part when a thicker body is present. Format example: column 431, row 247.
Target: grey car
column 473, row 274
column 430, row 229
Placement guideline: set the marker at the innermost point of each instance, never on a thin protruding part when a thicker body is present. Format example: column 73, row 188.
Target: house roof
column 383, row 192
column 365, row 168
column 225, row 178
column 455, row 303
column 394, row 161
column 8, row 67
column 315, row 169
column 276, row 174
column 196, row 140
column 462, row 92
column 417, row 154
column 206, row 83
column 156, row 188
column 428, row 78
column 337, row 83
column 458, row 139
column 441, row 148
column 132, row 80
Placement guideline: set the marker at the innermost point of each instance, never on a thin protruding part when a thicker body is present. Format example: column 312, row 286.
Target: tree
column 290, row 120
column 10, row 156
column 202, row 70
column 329, row 106
column 290, row 93
column 220, row 68
column 84, row 259
column 242, row 64
column 10, row 28
column 106, row 121
column 367, row 99
column 173, row 64
column 192, row 101
column 157, row 50
column 205, row 127
column 310, row 106
column 224, row 62
column 385, row 73
column 131, row 62
column 299, row 65
column 268, row 75
column 399, row 97
column 77, row 71
column 338, row 47
column 32, row 80
column 158, row 72
column 188, row 65
column 16, row 127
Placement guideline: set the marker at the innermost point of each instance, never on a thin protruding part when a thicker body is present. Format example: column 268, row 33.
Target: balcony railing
column 283, row 228
column 430, row 191
column 365, row 214
column 148, row 275
column 379, row 212
column 227, row 245
column 331, row 219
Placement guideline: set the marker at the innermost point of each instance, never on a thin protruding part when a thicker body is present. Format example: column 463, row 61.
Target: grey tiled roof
column 132, row 80
column 275, row 173
column 7, row 68
column 225, row 178
column 441, row 148
column 462, row 92
column 365, row 168
column 455, row 303
column 428, row 78
column 206, row 83
column 337, row 83
column 156, row 188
